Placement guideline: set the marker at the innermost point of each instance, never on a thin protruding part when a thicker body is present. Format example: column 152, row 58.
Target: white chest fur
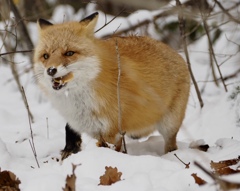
column 77, row 107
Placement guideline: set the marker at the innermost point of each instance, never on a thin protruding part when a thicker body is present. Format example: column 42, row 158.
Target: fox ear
column 43, row 23
column 90, row 21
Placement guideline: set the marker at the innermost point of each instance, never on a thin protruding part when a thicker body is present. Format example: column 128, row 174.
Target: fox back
column 81, row 75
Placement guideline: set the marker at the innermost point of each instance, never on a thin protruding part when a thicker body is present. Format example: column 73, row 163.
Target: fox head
column 64, row 54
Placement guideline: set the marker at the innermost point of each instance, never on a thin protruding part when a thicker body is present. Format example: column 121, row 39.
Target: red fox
column 79, row 74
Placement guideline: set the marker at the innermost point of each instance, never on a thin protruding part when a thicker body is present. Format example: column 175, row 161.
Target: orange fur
column 154, row 81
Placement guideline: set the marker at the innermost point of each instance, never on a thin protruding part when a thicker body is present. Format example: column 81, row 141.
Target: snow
column 145, row 167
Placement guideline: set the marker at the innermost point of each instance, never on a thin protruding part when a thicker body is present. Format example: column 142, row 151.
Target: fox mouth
column 60, row 82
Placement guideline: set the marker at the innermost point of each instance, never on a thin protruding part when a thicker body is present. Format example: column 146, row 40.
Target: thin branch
column 13, row 52
column 132, row 28
column 227, row 12
column 30, row 125
column 119, row 99
column 204, row 170
column 26, row 105
column 142, row 23
column 233, row 75
column 22, row 27
column 107, row 23
column 182, row 31
column 187, row 165
column 230, row 76
column 212, row 65
column 211, row 50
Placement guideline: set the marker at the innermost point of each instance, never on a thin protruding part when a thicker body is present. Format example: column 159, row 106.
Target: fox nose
column 51, row 71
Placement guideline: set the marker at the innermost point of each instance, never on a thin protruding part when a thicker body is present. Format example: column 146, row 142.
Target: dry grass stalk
column 30, row 125
column 119, row 99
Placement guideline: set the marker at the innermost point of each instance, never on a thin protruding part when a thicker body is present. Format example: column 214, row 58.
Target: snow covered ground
column 145, row 167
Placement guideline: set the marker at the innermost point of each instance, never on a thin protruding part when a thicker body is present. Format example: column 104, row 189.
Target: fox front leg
column 73, row 142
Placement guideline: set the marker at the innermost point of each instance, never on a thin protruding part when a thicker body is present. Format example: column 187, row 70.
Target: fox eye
column 69, row 53
column 45, row 56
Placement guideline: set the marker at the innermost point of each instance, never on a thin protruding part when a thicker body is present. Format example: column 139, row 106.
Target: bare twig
column 182, row 31
column 212, row 66
column 30, row 125
column 227, row 12
column 187, row 165
column 119, row 99
column 142, row 23
column 204, row 170
column 22, row 28
column 132, row 28
column 230, row 76
column 107, row 23
column 26, row 104
column 233, row 75
column 211, row 50
column 13, row 52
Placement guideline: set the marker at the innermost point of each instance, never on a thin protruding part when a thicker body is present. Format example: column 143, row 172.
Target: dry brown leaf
column 226, row 171
column 222, row 167
column 111, row 176
column 71, row 180
column 198, row 180
column 9, row 181
column 224, row 163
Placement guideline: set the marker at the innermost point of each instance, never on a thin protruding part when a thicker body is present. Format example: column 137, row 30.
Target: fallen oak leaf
column 222, row 167
column 111, row 176
column 224, row 163
column 226, row 171
column 71, row 180
column 9, row 181
column 198, row 180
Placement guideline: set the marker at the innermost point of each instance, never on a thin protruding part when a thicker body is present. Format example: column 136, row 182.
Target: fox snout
column 58, row 82
column 51, row 71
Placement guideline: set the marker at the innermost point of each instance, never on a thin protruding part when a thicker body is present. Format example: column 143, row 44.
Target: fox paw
column 70, row 149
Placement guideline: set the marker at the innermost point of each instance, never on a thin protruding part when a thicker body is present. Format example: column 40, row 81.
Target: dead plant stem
column 119, row 98
column 30, row 125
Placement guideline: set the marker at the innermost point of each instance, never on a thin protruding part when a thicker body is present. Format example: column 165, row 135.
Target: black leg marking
column 73, row 142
